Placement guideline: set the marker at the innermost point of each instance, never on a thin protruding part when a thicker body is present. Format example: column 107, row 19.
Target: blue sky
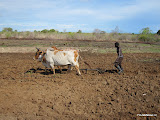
column 71, row 15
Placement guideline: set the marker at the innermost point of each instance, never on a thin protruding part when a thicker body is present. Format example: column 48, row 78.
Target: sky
column 130, row 16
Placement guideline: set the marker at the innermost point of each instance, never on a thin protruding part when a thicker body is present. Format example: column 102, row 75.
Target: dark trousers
column 118, row 62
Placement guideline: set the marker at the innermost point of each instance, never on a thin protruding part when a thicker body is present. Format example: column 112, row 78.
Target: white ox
column 56, row 57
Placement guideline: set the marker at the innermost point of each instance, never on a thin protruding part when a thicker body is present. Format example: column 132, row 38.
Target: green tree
column 44, row 31
column 52, row 30
column 146, row 31
column 146, row 35
column 79, row 31
column 7, row 29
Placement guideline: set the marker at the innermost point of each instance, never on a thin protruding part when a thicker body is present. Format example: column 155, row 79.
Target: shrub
column 52, row 30
column 97, row 33
column 158, row 32
column 79, row 31
column 44, row 31
column 146, row 31
column 148, row 38
column 122, row 37
column 134, row 37
column 7, row 29
column 71, row 35
column 143, row 38
column 146, row 35
column 8, row 35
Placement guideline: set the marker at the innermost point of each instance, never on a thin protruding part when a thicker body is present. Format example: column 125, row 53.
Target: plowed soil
column 28, row 93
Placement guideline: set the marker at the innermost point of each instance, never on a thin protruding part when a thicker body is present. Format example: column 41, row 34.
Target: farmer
column 119, row 59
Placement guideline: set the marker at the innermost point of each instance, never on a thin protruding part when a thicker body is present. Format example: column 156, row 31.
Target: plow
column 100, row 71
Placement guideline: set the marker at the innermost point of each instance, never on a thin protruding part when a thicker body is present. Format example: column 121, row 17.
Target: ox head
column 39, row 55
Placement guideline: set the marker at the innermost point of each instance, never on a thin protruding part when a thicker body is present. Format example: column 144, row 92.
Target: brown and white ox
column 56, row 57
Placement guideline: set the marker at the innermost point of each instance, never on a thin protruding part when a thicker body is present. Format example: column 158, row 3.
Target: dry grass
column 69, row 36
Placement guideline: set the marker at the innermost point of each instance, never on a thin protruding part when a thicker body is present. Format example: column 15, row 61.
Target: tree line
column 116, row 30
column 145, row 35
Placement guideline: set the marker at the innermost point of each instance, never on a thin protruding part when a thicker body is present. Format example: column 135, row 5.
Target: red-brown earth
column 26, row 92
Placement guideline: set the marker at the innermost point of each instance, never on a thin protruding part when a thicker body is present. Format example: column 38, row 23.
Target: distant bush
column 145, row 35
column 144, row 38
column 122, row 37
column 79, row 31
column 148, row 38
column 52, row 30
column 98, row 33
column 7, row 29
column 102, row 32
column 8, row 35
column 49, row 31
column 71, row 35
column 44, row 31
column 158, row 32
column 146, row 31
column 134, row 37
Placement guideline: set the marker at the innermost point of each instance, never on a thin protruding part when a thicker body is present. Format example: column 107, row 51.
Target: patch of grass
column 3, row 45
column 101, row 51
column 144, row 44
column 140, row 48
column 150, row 48
column 154, row 50
column 107, row 50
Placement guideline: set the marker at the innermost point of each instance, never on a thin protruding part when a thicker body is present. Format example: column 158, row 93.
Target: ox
column 56, row 57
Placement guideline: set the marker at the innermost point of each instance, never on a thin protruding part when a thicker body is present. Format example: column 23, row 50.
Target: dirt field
column 30, row 94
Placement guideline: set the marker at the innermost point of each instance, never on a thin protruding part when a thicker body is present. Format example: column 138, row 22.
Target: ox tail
column 85, row 62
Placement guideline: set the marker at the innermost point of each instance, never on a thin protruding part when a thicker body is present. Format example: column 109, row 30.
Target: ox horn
column 37, row 48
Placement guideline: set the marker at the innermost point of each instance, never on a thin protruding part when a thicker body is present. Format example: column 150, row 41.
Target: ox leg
column 69, row 68
column 53, row 69
column 45, row 70
column 59, row 67
column 77, row 68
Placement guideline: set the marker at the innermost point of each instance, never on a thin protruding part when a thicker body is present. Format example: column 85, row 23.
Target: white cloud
column 118, row 12
column 70, row 25
column 66, row 9
column 41, row 26
column 23, row 24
